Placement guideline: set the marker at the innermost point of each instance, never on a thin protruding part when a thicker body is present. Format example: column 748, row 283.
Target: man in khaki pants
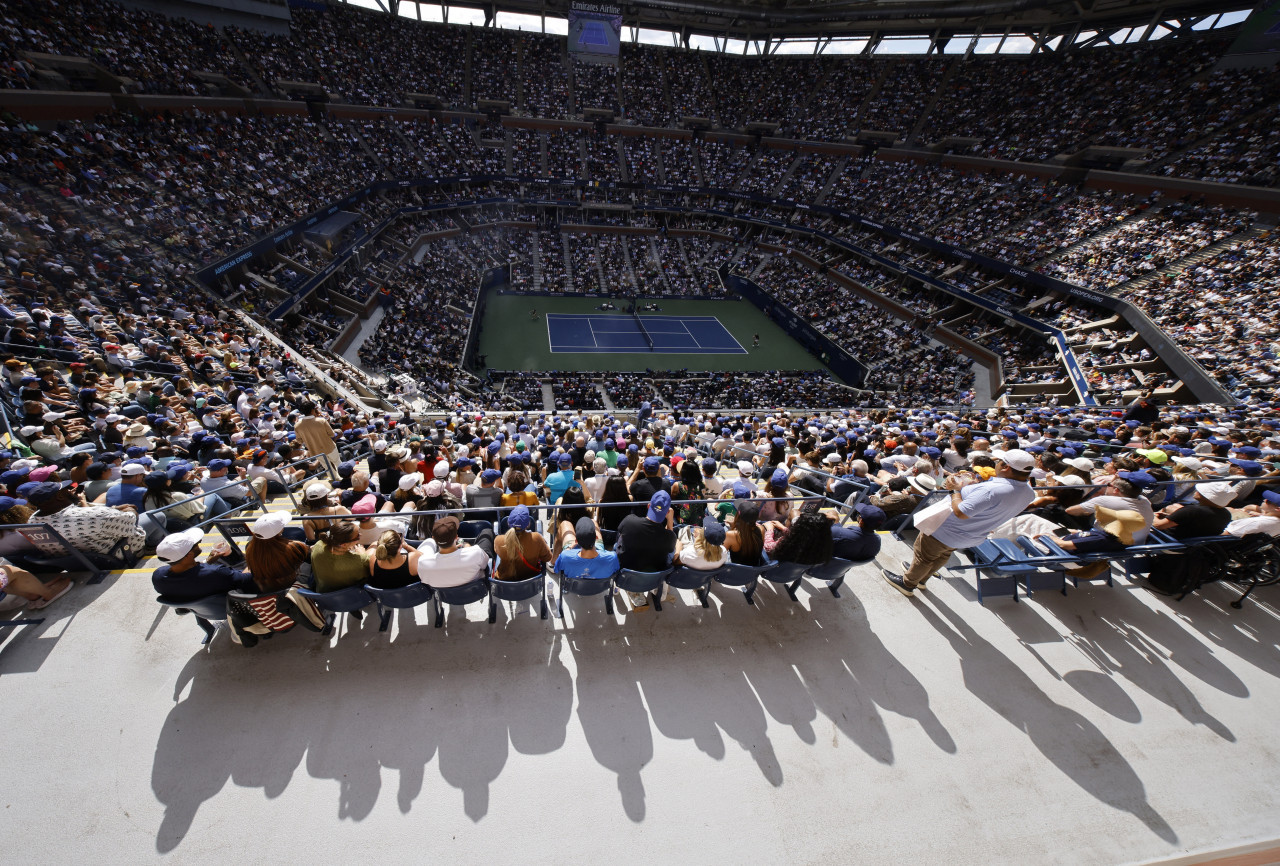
column 316, row 433
column 977, row 507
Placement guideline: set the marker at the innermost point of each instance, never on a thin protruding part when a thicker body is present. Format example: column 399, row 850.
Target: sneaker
column 12, row 602
column 896, row 581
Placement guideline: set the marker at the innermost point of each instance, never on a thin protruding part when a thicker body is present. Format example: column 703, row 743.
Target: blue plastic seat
column 643, row 582
column 472, row 528
column 207, row 611
column 459, row 595
column 684, row 577
column 745, row 576
column 518, row 590
column 789, row 574
column 585, row 586
column 834, row 571
column 350, row 600
column 401, row 598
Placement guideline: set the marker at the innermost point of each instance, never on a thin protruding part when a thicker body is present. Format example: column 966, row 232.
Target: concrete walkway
column 1106, row 726
column 367, row 327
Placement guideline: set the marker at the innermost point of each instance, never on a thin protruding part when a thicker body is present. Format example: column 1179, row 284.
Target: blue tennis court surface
column 671, row 335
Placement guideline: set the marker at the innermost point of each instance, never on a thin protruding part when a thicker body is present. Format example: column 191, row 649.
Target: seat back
column 463, row 594
column 785, row 572
column 472, row 528
column 640, row 581
column 517, row 590
column 584, row 585
column 402, row 596
column 834, row 568
column 684, row 577
column 734, row 574
column 340, row 601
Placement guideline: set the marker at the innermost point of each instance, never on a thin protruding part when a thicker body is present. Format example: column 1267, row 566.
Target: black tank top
column 392, row 578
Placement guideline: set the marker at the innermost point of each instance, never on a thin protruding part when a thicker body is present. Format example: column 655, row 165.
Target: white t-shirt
column 450, row 569
column 1262, row 523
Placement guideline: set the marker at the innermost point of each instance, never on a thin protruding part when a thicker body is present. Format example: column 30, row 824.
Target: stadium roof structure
column 764, row 26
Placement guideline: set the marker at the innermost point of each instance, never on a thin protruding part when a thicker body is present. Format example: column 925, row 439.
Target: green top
column 334, row 571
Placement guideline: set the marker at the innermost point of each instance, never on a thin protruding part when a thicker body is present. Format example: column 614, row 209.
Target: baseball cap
column 1142, row 479
column 1155, row 456
column 1218, row 492
column 317, row 491
column 178, row 544
column 47, row 490
column 42, row 473
column 659, row 505
column 742, row 490
column 490, row 475
column 1016, row 459
column 565, row 461
column 410, row 480
column 873, row 517
column 651, row 464
column 584, row 531
column 519, row 518
column 133, row 469
column 366, row 504
column 780, row 479
column 746, row 467
column 1269, row 495
column 1252, row 468
column 713, row 530
column 219, row 464
column 270, row 525
column 708, row 464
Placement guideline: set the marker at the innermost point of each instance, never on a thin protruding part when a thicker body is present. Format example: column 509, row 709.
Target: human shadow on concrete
column 368, row 703
column 1124, row 639
column 1069, row 740
column 1251, row 633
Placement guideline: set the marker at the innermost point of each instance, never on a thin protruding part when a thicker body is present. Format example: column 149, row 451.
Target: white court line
column 592, row 329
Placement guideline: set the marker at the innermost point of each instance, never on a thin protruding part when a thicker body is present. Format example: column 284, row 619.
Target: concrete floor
column 1107, row 726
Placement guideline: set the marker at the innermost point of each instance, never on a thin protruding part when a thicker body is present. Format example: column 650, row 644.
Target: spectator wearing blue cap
column 778, row 485
column 484, row 492
column 646, row 480
column 711, row 483
column 647, row 543
column 559, row 479
column 522, row 552
column 859, row 543
column 1264, row 517
column 227, row 486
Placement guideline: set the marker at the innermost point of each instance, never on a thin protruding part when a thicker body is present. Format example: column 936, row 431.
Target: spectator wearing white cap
column 318, row 503
column 129, row 490
column 272, row 559
column 183, row 578
column 1206, row 515
column 976, row 509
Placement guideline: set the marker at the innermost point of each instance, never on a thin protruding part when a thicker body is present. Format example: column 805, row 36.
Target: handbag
column 930, row 518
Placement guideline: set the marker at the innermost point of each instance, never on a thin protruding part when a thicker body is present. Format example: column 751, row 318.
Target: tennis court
column 666, row 335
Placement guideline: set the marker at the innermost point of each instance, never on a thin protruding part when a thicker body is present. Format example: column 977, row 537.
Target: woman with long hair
column 690, row 486
column 159, row 494
column 615, row 490
column 573, row 507
column 271, row 558
column 522, row 552
column 392, row 563
column 745, row 542
column 807, row 541
column 702, row 547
